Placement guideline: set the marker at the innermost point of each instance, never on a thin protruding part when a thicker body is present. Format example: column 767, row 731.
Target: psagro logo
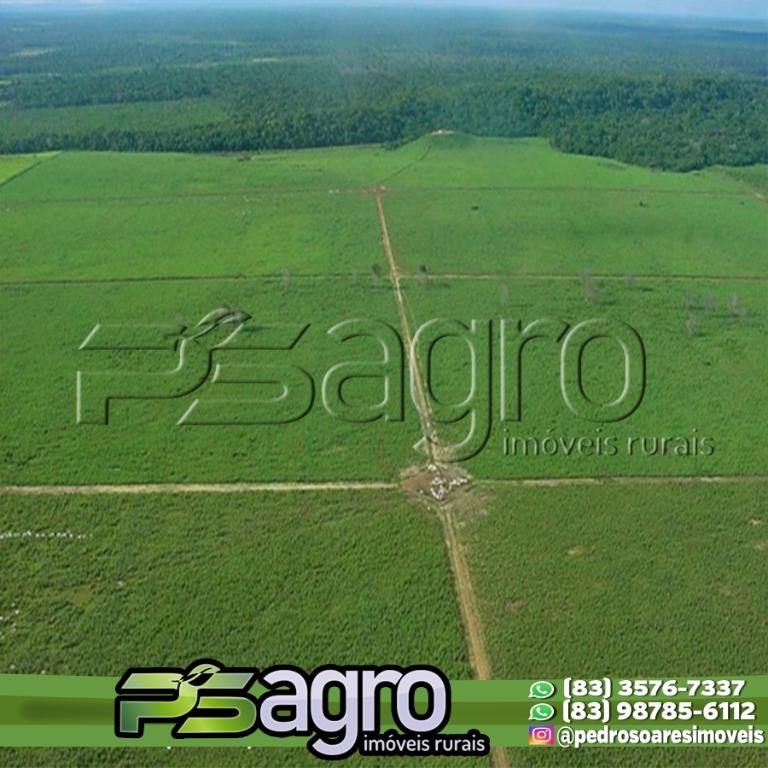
column 338, row 708
column 231, row 371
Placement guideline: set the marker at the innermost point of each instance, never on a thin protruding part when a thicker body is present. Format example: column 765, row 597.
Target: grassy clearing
column 184, row 215
column 565, row 231
column 278, row 578
column 571, row 580
column 142, row 443
column 647, row 757
column 621, row 581
column 494, row 205
column 432, row 162
column 472, row 163
column 250, row 235
column 201, row 758
column 625, row 582
column 456, row 204
column 105, row 175
column 12, row 165
column 754, row 177
column 701, row 378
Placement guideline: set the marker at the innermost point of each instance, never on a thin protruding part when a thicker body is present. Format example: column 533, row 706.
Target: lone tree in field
column 423, row 274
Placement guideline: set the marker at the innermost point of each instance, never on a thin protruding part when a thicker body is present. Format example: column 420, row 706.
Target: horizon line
column 527, row 7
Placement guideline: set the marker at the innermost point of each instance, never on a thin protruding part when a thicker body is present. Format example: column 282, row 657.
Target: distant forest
column 674, row 94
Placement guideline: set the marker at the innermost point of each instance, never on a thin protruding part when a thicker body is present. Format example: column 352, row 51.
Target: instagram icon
column 541, row 735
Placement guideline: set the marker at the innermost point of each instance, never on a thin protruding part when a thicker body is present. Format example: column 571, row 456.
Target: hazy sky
column 726, row 8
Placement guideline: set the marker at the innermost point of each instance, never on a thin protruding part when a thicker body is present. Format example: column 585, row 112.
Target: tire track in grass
column 551, row 482
column 150, row 488
column 569, row 277
column 473, row 628
column 410, row 165
column 213, row 196
column 264, row 277
column 427, row 428
column 34, row 164
column 361, row 485
column 325, row 276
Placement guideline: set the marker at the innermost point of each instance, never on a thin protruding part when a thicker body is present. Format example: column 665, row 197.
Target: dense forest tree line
column 681, row 124
column 280, row 87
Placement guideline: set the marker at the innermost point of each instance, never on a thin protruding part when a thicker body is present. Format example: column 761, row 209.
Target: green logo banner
column 63, row 711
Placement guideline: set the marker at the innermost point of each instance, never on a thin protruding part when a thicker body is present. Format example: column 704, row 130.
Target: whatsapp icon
column 541, row 712
column 541, row 690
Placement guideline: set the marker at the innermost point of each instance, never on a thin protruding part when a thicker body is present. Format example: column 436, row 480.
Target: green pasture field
column 701, row 380
column 110, row 217
column 13, row 165
column 645, row 757
column 448, row 163
column 491, row 205
column 591, row 579
column 247, row 579
column 753, row 176
column 460, row 161
column 564, row 231
column 47, row 324
column 293, row 578
column 245, row 235
column 117, row 216
column 522, row 208
column 621, row 580
column 109, row 175
column 205, row 757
